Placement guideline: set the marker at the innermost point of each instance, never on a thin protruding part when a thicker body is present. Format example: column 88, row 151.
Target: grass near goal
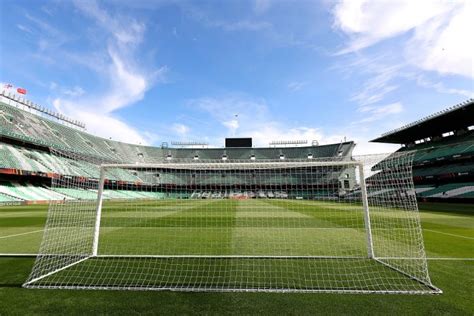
column 286, row 226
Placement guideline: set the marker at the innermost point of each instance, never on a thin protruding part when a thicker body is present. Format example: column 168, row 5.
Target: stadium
column 250, row 157
column 204, row 194
column 443, row 163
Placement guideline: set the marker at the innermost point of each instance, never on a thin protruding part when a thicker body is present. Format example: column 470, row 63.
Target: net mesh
column 318, row 225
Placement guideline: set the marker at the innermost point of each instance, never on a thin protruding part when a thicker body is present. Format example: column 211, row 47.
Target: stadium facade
column 443, row 167
column 35, row 149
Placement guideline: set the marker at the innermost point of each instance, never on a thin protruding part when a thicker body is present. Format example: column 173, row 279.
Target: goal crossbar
column 217, row 165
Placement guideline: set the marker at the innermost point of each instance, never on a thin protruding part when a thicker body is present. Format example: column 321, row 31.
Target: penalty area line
column 449, row 259
column 448, row 234
column 428, row 258
column 21, row 234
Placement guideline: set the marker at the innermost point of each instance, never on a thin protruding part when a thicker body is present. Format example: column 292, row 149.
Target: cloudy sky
column 147, row 71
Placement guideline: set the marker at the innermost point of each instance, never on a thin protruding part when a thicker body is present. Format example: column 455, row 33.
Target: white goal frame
column 228, row 164
column 360, row 165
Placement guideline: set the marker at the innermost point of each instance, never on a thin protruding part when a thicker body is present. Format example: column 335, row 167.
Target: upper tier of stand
column 28, row 128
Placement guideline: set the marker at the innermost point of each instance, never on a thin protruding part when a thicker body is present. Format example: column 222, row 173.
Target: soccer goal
column 318, row 225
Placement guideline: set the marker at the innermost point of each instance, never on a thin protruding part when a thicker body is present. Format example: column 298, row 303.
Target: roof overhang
column 454, row 118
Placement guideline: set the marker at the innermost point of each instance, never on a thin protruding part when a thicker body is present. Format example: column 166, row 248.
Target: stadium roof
column 453, row 118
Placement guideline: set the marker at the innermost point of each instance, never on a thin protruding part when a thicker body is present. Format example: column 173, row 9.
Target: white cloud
column 180, row 129
column 126, row 30
column 381, row 81
column 128, row 81
column 373, row 113
column 245, row 116
column 232, row 125
column 42, row 25
column 383, row 74
column 49, row 38
column 254, row 119
column 365, row 147
column 128, row 85
column 370, row 21
column 378, row 85
column 197, row 13
column 232, row 111
column 24, row 28
column 244, row 25
column 101, row 124
column 444, row 45
column 48, row 10
column 441, row 88
column 440, row 28
column 261, row 6
column 265, row 133
column 296, row 85
column 73, row 92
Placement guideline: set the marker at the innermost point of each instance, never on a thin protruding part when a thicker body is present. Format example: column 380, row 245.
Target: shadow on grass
column 451, row 208
column 10, row 285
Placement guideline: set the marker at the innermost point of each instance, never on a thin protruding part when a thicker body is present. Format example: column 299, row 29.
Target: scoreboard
column 238, row 142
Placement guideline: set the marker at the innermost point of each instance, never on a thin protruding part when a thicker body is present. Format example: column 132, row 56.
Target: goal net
column 318, row 225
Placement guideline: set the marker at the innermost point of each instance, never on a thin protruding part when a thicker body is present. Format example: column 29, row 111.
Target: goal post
column 365, row 206
column 314, row 225
column 100, row 198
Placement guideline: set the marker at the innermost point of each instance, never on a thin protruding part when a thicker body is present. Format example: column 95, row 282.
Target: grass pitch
column 449, row 241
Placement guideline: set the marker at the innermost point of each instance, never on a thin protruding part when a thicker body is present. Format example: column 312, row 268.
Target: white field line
column 18, row 254
column 428, row 258
column 430, row 230
column 14, row 235
column 229, row 256
column 453, row 235
column 451, row 259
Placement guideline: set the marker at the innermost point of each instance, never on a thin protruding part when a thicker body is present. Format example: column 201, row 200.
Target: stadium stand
column 443, row 167
column 29, row 128
column 35, row 149
column 449, row 190
column 29, row 192
column 8, row 198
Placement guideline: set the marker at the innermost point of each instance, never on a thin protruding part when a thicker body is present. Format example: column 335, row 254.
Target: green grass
column 448, row 233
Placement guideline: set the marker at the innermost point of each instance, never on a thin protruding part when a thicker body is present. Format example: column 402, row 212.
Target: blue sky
column 151, row 71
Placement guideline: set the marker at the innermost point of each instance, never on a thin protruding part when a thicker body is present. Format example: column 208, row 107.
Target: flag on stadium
column 21, row 90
